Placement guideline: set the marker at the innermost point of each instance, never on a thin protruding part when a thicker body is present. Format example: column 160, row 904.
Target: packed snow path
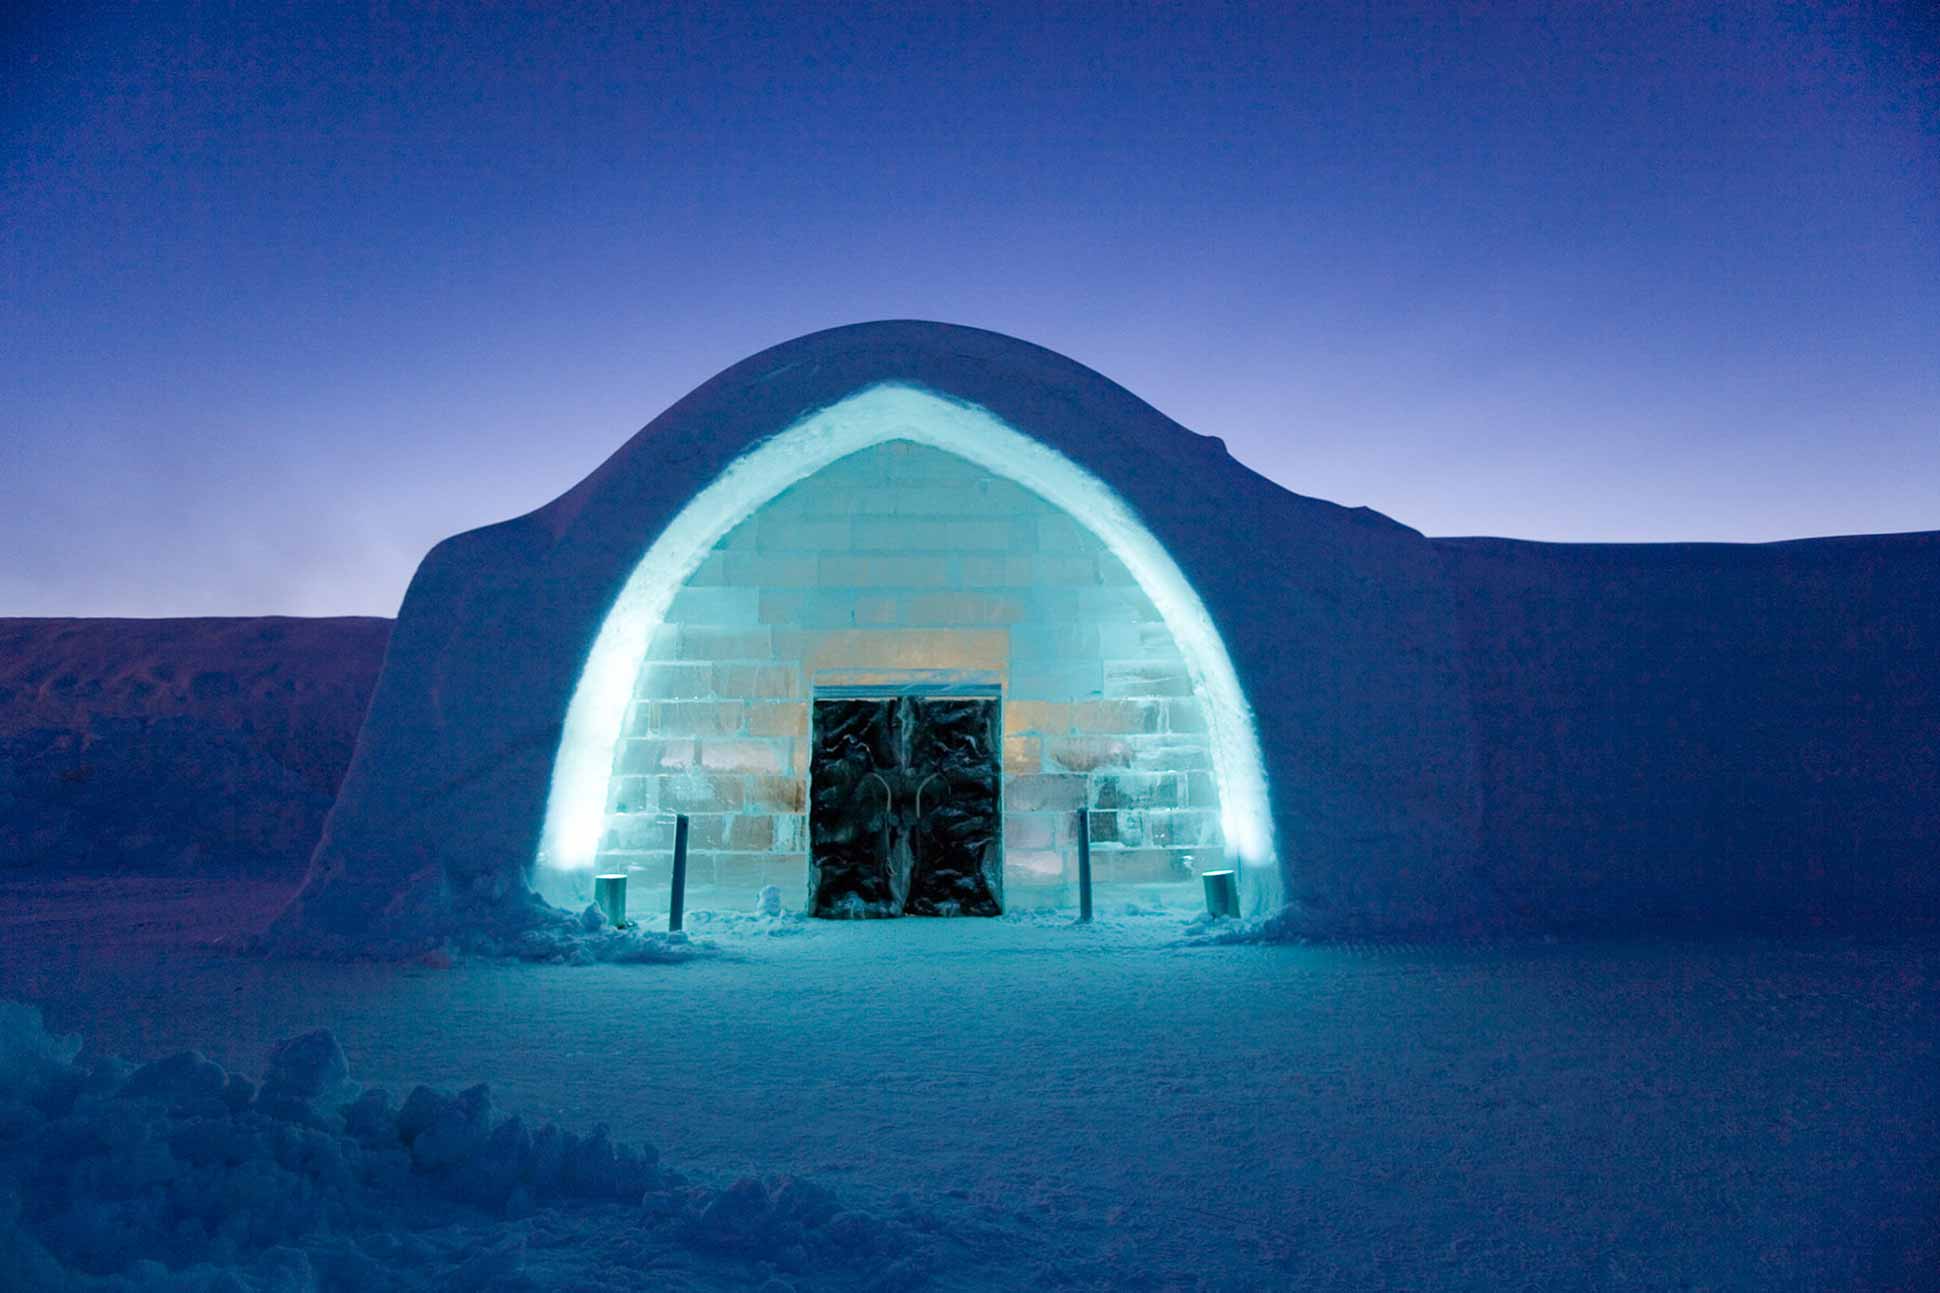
column 1130, row 1112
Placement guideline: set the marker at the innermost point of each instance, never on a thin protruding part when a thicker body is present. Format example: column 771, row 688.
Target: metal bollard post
column 1084, row 865
column 677, row 902
column 609, row 891
column 1222, row 893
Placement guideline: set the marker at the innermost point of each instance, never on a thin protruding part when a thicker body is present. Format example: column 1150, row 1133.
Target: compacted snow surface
column 964, row 1104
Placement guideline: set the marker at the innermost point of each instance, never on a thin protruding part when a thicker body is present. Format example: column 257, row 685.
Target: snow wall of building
column 1457, row 735
column 1706, row 734
column 1338, row 623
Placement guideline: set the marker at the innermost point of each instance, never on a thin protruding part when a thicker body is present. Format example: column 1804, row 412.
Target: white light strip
column 576, row 806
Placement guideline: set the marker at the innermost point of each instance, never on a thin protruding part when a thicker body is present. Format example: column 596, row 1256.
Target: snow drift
column 177, row 1175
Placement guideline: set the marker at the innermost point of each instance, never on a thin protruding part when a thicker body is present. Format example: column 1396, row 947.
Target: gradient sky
column 287, row 297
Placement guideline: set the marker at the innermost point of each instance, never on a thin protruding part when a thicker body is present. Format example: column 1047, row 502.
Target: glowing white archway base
column 576, row 806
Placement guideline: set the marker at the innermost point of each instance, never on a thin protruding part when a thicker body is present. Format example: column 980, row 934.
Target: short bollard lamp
column 609, row 892
column 1222, row 893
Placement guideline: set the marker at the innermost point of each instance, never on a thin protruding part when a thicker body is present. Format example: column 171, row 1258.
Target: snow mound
column 759, row 923
column 1287, row 925
column 176, row 1175
column 581, row 938
column 528, row 929
column 573, row 944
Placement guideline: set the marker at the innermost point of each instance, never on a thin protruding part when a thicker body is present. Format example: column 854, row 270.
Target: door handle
column 888, row 796
column 919, row 793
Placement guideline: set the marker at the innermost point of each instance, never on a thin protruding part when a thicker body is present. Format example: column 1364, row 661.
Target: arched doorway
column 901, row 544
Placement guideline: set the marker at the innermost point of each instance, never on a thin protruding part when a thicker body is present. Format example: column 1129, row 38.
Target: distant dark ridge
column 167, row 744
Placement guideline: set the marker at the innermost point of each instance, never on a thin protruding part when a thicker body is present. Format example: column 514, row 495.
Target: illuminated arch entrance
column 586, row 789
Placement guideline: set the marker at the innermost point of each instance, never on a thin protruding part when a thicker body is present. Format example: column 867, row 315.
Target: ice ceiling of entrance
column 893, row 535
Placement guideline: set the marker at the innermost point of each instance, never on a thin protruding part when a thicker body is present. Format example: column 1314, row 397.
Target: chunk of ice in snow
column 28, row 1052
column 186, row 1078
column 306, row 1068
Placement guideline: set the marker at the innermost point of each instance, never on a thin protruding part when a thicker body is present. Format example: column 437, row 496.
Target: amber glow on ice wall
column 576, row 805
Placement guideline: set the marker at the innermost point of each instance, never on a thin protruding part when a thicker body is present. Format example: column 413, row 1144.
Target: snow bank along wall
column 1706, row 734
column 1408, row 756
column 164, row 745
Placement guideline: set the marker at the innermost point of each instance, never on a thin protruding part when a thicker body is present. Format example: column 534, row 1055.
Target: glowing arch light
column 576, row 805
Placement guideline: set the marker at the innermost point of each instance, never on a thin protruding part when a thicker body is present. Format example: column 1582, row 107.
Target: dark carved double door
column 903, row 806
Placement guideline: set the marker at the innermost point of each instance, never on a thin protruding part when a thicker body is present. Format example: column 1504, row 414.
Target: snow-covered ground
column 1025, row 1103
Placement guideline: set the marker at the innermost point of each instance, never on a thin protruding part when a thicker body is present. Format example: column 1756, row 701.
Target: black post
column 678, row 902
column 1084, row 865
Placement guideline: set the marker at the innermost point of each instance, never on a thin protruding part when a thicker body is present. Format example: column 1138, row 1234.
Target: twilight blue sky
column 286, row 297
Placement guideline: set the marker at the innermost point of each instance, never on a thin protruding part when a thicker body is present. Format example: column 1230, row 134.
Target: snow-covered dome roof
column 444, row 806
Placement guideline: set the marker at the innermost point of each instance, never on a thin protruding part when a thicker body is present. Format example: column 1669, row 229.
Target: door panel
column 955, row 845
column 904, row 796
column 855, row 833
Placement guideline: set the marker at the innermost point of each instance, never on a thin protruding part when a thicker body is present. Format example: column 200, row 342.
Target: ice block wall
column 900, row 564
